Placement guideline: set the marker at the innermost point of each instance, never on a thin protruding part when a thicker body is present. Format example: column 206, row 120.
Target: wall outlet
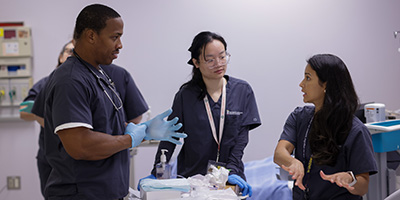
column 13, row 182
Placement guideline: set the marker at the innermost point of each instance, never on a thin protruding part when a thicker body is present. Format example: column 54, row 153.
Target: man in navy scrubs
column 86, row 140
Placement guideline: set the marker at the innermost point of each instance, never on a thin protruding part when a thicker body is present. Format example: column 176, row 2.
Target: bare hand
column 342, row 179
column 296, row 169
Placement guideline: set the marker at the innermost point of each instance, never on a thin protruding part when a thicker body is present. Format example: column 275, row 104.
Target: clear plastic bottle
column 163, row 169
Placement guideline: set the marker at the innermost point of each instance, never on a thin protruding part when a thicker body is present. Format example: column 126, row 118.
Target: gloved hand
column 137, row 133
column 160, row 129
column 26, row 106
column 151, row 176
column 237, row 180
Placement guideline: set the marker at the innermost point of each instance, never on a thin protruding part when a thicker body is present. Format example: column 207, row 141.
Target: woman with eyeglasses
column 333, row 153
column 25, row 113
column 65, row 52
column 217, row 112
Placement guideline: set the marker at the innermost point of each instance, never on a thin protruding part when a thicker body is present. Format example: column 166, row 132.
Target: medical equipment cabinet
column 15, row 69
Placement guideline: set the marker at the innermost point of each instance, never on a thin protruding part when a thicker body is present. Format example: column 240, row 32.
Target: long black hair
column 333, row 122
column 199, row 44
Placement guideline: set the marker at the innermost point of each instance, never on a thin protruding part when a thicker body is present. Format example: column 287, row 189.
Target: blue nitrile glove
column 26, row 106
column 237, row 180
column 160, row 129
column 151, row 176
column 137, row 133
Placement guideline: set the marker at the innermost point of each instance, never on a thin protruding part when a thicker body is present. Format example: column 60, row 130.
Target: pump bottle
column 163, row 169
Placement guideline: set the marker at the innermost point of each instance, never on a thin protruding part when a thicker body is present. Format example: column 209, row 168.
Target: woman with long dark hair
column 333, row 153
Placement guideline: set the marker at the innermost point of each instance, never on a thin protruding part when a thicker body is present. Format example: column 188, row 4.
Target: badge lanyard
column 222, row 118
column 304, row 150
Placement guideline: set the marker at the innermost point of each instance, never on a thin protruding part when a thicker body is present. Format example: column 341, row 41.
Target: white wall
column 269, row 42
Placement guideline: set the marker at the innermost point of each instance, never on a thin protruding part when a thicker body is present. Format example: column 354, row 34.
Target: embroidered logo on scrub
column 229, row 112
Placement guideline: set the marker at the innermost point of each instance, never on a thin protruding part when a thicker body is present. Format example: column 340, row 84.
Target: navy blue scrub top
column 38, row 106
column 36, row 88
column 133, row 100
column 134, row 103
column 32, row 95
column 200, row 147
column 74, row 98
column 356, row 155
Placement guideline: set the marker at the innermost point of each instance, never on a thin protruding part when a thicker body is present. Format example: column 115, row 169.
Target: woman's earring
column 324, row 91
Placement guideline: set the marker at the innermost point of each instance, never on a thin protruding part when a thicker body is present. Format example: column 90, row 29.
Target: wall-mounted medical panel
column 15, row 69
column 12, row 93
column 15, row 41
column 19, row 89
column 4, row 90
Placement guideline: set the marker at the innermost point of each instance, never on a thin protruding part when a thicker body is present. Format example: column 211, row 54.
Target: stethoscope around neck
column 109, row 83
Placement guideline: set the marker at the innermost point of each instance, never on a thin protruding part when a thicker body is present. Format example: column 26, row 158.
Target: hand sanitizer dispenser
column 163, row 169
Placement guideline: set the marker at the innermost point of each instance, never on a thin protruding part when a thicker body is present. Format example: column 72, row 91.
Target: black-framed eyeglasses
column 222, row 59
column 68, row 51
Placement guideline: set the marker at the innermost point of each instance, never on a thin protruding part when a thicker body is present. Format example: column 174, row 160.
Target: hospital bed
column 261, row 175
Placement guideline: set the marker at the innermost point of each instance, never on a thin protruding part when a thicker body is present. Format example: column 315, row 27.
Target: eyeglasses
column 223, row 59
column 68, row 51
